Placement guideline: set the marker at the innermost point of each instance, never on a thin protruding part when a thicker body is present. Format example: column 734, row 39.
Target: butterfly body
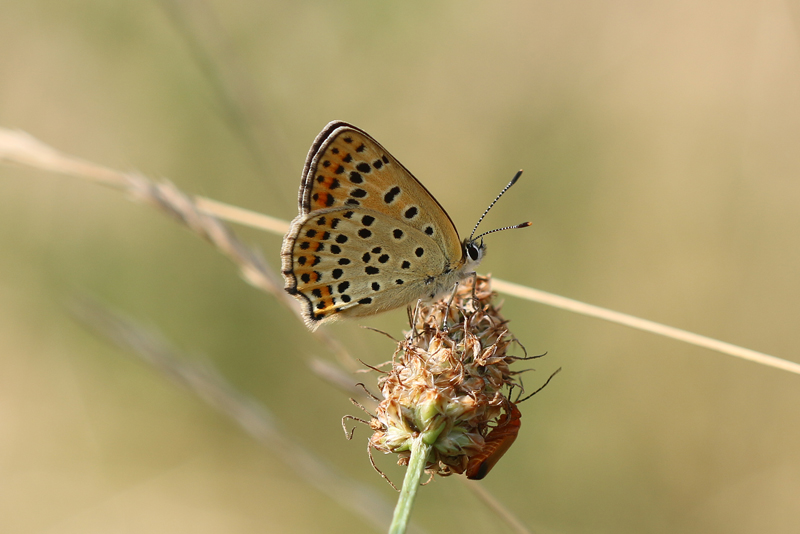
column 369, row 237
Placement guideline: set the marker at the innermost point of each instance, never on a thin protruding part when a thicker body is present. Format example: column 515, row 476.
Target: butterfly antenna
column 506, row 188
column 520, row 225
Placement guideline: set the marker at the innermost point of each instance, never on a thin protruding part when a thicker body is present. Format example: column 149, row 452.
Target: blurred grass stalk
column 255, row 419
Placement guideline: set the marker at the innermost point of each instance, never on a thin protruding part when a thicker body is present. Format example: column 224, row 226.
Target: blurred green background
column 660, row 148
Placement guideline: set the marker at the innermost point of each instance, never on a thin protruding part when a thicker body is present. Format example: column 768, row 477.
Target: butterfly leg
column 449, row 302
column 474, row 276
column 414, row 319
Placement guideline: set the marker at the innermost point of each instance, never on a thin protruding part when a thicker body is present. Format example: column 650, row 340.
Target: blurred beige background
column 660, row 148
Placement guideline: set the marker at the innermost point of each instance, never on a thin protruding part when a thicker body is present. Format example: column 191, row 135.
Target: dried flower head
column 447, row 384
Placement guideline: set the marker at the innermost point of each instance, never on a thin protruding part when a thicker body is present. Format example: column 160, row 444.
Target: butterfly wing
column 348, row 171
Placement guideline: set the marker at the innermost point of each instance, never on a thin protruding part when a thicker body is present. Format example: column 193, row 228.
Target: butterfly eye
column 473, row 251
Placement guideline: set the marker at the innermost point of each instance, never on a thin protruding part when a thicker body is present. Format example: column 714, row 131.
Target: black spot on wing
column 391, row 195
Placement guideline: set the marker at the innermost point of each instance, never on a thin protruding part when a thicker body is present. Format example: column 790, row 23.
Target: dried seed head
column 447, row 380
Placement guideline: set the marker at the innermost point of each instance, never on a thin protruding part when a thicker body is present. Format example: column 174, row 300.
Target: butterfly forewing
column 347, row 167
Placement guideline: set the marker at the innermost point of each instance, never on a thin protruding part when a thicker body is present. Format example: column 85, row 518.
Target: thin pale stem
column 241, row 216
column 575, row 306
column 416, row 466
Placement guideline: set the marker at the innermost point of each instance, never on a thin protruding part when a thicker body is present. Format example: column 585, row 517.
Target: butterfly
column 369, row 237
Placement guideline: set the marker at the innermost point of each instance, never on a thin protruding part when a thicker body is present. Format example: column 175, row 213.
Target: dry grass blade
column 575, row 306
column 21, row 148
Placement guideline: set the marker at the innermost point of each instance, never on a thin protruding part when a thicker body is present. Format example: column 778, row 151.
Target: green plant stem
column 416, row 465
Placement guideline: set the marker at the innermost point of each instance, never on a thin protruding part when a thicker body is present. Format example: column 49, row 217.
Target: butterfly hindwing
column 354, row 262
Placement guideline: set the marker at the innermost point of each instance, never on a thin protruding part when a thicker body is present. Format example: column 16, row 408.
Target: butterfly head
column 473, row 251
